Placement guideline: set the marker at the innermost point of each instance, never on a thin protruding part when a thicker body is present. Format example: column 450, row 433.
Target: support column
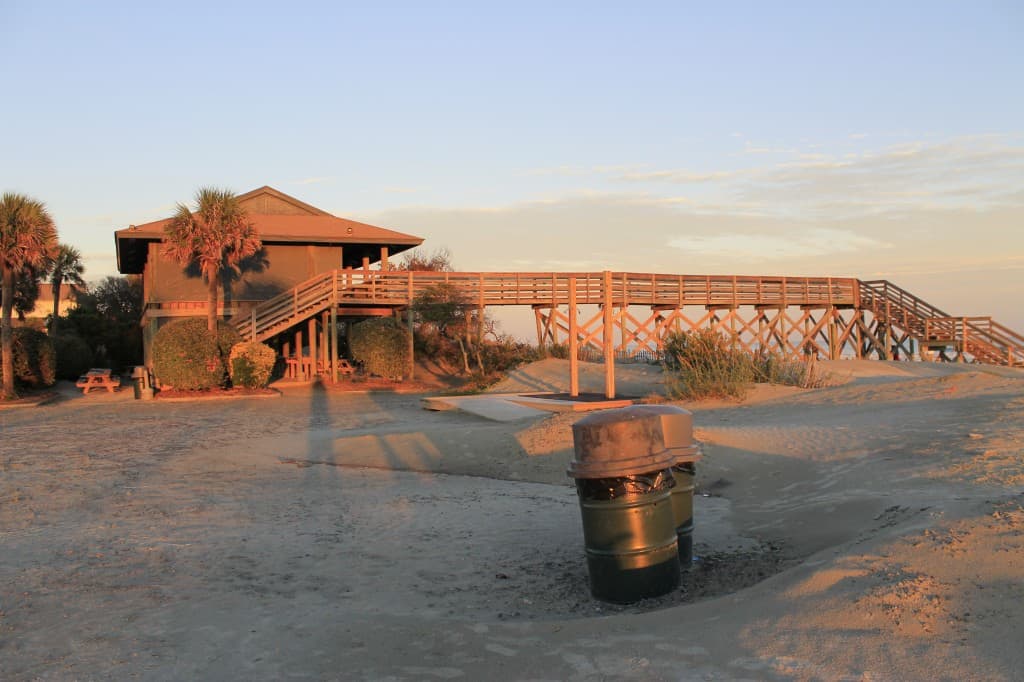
column 324, row 341
column 833, row 352
column 607, row 338
column 383, row 258
column 312, row 347
column 334, row 343
column 574, row 361
column 412, row 344
column 540, row 329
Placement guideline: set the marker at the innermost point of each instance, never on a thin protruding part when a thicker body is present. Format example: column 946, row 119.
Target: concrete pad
column 494, row 407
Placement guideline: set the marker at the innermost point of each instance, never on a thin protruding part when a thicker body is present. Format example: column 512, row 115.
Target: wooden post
column 324, row 340
column 574, row 361
column 334, row 340
column 833, row 352
column 312, row 347
column 383, row 259
column 298, row 354
column 609, row 342
column 412, row 344
column 540, row 330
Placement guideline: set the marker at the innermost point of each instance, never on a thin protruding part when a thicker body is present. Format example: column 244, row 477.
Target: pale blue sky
column 872, row 139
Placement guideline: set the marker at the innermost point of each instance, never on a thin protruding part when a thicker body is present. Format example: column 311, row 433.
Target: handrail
column 399, row 288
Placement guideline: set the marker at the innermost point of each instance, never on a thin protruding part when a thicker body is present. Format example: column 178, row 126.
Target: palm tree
column 28, row 239
column 217, row 236
column 67, row 267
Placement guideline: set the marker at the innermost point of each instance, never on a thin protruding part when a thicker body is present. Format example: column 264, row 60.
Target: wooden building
column 299, row 242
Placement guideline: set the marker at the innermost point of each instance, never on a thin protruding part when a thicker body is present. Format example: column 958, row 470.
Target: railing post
column 253, row 316
column 607, row 338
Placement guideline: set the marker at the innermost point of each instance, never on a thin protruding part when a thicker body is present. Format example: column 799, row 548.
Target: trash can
column 677, row 429
column 141, row 382
column 624, row 483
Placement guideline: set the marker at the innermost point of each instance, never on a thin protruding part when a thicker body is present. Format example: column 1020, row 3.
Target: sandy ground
column 872, row 530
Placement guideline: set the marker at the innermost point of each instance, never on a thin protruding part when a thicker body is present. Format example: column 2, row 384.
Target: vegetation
column 704, row 363
column 74, row 356
column 449, row 319
column 33, row 361
column 188, row 356
column 421, row 261
column 381, row 346
column 66, row 267
column 26, row 293
column 106, row 318
column 251, row 364
column 28, row 239
column 216, row 238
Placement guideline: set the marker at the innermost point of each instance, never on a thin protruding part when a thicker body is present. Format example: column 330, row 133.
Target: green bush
column 74, row 357
column 381, row 345
column 251, row 364
column 705, row 364
column 186, row 355
column 34, row 359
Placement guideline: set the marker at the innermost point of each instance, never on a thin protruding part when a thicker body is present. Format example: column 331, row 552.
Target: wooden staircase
column 981, row 338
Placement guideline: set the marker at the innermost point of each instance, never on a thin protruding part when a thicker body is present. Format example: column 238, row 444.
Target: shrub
column 704, row 364
column 252, row 364
column 557, row 350
column 771, row 367
column 381, row 345
column 74, row 357
column 186, row 354
column 34, row 358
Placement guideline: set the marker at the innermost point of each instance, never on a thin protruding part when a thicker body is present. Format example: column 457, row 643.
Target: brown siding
column 282, row 267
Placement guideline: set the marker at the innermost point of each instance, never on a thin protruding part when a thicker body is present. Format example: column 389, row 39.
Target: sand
column 871, row 530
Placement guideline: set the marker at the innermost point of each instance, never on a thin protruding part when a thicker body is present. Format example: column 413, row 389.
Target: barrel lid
column 619, row 442
column 677, row 429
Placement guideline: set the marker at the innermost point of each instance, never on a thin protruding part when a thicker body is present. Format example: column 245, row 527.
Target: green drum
column 629, row 531
column 682, row 510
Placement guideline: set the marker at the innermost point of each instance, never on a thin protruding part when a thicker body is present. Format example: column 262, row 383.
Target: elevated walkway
column 834, row 316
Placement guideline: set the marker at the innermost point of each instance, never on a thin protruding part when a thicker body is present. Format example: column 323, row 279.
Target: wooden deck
column 632, row 312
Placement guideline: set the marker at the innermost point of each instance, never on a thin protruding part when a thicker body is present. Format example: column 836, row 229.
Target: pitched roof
column 301, row 224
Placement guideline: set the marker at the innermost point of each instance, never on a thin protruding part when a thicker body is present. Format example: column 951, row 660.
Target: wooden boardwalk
column 628, row 313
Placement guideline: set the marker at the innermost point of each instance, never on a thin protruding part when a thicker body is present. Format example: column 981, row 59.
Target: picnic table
column 98, row 378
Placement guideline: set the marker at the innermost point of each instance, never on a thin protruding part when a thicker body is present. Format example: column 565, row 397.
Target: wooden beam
column 574, row 360
column 609, row 341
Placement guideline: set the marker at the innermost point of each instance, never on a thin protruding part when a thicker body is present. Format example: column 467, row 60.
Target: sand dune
column 871, row 530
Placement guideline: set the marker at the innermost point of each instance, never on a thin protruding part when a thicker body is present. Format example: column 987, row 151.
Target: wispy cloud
column 315, row 180
column 761, row 247
column 677, row 176
column 393, row 189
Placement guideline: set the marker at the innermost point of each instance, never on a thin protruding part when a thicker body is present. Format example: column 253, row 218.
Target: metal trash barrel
column 677, row 429
column 624, row 484
column 141, row 382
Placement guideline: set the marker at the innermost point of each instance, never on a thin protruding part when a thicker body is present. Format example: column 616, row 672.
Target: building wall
column 280, row 267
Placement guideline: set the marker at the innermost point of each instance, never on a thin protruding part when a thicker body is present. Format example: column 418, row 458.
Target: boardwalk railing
column 981, row 337
column 987, row 341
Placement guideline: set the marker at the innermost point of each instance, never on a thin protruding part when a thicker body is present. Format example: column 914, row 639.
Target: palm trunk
column 7, row 332
column 211, row 304
column 56, row 305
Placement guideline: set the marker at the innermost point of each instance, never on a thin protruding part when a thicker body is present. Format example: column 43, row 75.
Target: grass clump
column 704, row 363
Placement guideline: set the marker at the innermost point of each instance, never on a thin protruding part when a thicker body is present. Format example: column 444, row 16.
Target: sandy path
column 876, row 526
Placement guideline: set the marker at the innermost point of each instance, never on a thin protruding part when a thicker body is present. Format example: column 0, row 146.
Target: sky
column 880, row 140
